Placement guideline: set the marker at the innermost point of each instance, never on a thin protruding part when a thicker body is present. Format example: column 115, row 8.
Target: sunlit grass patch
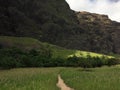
column 85, row 54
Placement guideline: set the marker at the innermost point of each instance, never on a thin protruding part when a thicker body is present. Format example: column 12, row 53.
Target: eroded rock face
column 92, row 16
column 104, row 32
column 52, row 21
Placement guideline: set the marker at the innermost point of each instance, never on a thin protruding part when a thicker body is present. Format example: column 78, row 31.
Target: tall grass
column 105, row 78
column 29, row 79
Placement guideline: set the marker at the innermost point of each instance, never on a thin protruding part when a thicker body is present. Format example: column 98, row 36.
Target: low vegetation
column 104, row 78
column 14, row 57
column 29, row 79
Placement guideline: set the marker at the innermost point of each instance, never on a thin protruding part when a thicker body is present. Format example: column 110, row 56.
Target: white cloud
column 108, row 7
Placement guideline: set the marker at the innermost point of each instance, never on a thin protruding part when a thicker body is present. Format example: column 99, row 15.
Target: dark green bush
column 72, row 61
column 1, row 46
column 113, row 61
column 58, row 62
column 91, row 62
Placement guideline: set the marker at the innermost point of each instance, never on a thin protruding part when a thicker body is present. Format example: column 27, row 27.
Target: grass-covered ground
column 29, row 79
column 105, row 78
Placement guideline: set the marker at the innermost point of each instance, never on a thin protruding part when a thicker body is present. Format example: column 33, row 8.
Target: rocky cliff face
column 104, row 32
column 52, row 21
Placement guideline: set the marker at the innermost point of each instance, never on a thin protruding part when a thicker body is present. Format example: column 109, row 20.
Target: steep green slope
column 25, row 43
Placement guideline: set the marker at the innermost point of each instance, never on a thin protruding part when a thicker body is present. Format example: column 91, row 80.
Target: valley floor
column 104, row 78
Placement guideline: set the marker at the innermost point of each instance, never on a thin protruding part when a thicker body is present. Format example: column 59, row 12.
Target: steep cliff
column 52, row 21
column 103, row 33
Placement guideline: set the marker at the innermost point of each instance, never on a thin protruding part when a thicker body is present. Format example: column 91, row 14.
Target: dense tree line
column 15, row 58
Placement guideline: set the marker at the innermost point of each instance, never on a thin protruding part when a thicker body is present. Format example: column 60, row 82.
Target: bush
column 58, row 62
column 14, row 57
column 1, row 46
column 91, row 62
column 113, row 61
column 8, row 62
column 72, row 61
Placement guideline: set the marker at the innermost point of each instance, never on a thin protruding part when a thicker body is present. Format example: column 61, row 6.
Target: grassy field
column 105, row 78
column 29, row 79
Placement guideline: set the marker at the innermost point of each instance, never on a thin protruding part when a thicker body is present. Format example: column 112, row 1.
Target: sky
column 107, row 7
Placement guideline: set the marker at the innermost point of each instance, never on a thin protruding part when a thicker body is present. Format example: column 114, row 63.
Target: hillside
column 52, row 21
column 25, row 43
column 16, row 52
column 35, row 18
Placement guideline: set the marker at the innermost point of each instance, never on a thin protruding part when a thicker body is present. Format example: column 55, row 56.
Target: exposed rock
column 104, row 32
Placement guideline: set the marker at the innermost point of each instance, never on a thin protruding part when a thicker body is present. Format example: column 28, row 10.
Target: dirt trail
column 62, row 85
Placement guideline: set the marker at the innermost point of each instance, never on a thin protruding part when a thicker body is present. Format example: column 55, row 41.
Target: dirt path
column 62, row 85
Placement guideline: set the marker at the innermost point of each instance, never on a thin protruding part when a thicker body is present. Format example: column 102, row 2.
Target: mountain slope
column 52, row 21
column 34, row 18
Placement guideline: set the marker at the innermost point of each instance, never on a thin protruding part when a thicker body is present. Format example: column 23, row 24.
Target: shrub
column 14, row 57
column 72, row 61
column 91, row 62
column 58, row 62
column 113, row 61
column 8, row 62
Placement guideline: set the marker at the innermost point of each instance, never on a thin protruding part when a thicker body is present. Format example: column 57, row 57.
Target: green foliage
column 91, row 62
column 113, row 61
column 14, row 57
